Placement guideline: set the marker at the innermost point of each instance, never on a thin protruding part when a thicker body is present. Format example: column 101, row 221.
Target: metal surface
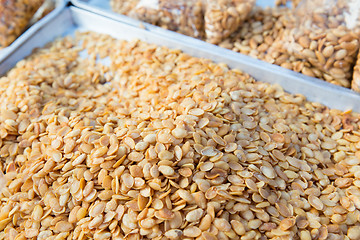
column 72, row 18
column 30, row 31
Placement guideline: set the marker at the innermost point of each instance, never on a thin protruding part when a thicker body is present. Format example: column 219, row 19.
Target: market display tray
column 70, row 18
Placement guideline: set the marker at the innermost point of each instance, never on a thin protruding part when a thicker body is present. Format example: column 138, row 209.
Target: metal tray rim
column 310, row 81
column 202, row 44
column 330, row 95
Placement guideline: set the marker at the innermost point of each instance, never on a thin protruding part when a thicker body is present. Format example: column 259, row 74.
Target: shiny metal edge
column 31, row 30
column 74, row 18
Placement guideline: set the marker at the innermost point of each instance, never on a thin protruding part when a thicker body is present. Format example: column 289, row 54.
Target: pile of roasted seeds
column 162, row 145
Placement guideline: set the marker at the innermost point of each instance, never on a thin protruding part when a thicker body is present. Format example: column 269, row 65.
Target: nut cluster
column 14, row 17
column 258, row 33
column 325, row 39
column 329, row 55
column 160, row 144
column 223, row 17
column 184, row 16
column 212, row 20
column 258, row 37
column 333, row 51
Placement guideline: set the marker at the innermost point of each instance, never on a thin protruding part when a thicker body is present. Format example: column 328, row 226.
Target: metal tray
column 28, row 32
column 70, row 18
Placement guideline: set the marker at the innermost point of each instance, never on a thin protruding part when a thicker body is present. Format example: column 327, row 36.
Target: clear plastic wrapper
column 184, row 16
column 326, row 35
column 123, row 7
column 14, row 17
column 148, row 11
column 45, row 9
column 223, row 17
